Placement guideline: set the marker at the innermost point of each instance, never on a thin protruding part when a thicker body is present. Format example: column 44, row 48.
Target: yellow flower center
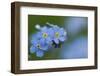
column 45, row 35
column 56, row 34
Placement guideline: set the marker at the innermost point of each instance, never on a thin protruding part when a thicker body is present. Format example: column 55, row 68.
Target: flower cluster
column 46, row 38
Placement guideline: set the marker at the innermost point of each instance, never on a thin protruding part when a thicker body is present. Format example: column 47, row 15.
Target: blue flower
column 38, row 46
column 45, row 35
column 45, row 38
column 59, row 34
column 39, row 52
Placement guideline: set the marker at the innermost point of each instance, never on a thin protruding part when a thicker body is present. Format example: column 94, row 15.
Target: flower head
column 38, row 46
column 59, row 34
column 45, row 35
column 45, row 38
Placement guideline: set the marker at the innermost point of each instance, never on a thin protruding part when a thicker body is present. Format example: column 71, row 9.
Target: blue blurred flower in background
column 77, row 49
column 75, row 25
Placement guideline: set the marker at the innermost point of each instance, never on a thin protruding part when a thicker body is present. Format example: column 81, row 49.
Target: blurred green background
column 76, row 45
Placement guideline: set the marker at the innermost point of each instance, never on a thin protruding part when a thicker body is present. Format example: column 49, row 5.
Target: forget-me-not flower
column 38, row 46
column 59, row 34
column 45, row 35
column 45, row 38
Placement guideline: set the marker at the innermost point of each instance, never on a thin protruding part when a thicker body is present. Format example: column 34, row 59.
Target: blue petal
column 39, row 53
column 56, row 28
column 62, row 39
column 44, row 45
column 51, row 32
column 44, row 28
column 42, row 41
column 48, row 40
column 56, row 41
column 33, row 39
column 39, row 35
column 35, row 42
column 45, row 48
column 32, row 49
column 61, row 31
